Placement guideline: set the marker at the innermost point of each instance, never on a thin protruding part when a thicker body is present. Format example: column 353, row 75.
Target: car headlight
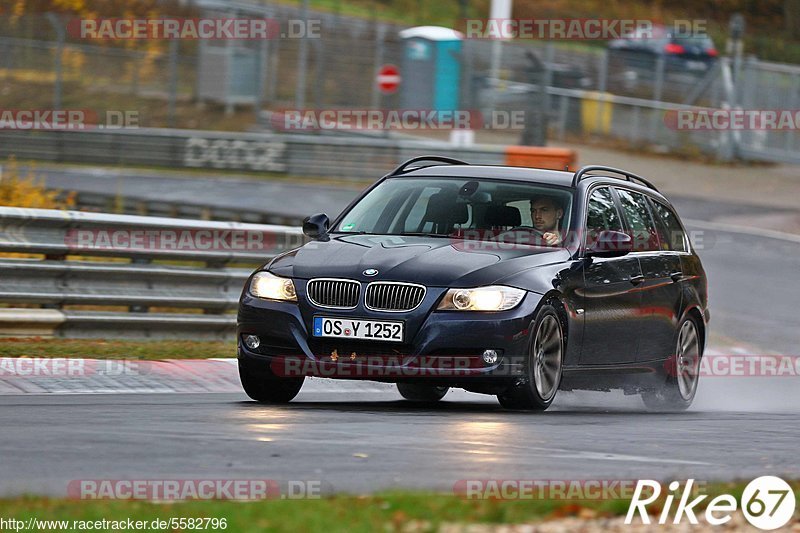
column 493, row 298
column 266, row 285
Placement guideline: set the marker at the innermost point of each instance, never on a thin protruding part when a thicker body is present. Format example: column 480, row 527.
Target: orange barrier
column 541, row 157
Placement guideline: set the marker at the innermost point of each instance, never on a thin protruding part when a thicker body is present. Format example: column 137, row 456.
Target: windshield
column 475, row 208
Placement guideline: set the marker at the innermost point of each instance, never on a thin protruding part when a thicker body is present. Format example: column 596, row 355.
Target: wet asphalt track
column 370, row 441
column 366, row 441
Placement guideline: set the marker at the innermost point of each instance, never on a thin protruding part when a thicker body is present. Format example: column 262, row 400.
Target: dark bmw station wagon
column 508, row 281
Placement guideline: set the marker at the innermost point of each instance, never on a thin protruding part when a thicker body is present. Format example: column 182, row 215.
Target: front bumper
column 439, row 346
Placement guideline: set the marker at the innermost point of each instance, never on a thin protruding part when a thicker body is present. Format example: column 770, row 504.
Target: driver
column 546, row 216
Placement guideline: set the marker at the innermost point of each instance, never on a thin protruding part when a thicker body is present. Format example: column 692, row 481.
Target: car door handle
column 636, row 280
column 676, row 276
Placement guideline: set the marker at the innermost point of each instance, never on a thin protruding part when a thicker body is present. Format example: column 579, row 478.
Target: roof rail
column 630, row 176
column 439, row 159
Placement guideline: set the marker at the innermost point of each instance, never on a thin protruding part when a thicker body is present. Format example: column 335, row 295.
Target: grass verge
column 385, row 512
column 390, row 511
column 116, row 349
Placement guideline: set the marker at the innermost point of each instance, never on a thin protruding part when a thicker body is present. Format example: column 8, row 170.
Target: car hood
column 430, row 261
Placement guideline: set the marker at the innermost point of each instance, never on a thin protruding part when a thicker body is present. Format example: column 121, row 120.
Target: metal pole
column 59, row 74
column 467, row 85
column 499, row 10
column 173, row 82
column 602, row 82
column 319, row 81
column 9, row 58
column 735, row 48
column 272, row 75
column 793, row 101
column 547, row 82
column 302, row 64
column 55, row 22
column 602, row 74
column 562, row 116
column 658, row 91
column 380, row 35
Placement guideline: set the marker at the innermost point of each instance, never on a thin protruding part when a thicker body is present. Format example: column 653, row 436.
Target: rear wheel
column 263, row 386
column 683, row 372
column 543, row 365
column 421, row 393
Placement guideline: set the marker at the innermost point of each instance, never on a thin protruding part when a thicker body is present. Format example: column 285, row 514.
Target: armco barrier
column 69, row 263
column 293, row 154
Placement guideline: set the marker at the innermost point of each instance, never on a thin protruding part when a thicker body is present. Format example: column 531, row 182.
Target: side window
column 676, row 237
column 637, row 214
column 602, row 215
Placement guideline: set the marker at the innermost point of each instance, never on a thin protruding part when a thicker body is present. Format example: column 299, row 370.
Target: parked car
column 682, row 53
column 508, row 281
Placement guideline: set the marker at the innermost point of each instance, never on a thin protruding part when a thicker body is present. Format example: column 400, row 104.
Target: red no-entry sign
column 388, row 79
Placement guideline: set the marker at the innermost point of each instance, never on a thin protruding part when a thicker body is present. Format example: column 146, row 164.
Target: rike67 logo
column 767, row 502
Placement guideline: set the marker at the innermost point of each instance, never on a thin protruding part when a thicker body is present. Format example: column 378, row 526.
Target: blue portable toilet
column 431, row 68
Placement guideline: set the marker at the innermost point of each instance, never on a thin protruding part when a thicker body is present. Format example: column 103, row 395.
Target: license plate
column 696, row 65
column 345, row 328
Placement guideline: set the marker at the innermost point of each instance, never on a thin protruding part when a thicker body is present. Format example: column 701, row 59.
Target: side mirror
column 316, row 225
column 610, row 244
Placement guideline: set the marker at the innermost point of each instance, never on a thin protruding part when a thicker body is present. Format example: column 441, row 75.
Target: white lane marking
column 622, row 457
column 744, row 230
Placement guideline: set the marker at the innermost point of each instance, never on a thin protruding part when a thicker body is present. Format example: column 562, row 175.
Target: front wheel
column 264, row 386
column 683, row 372
column 421, row 393
column 543, row 365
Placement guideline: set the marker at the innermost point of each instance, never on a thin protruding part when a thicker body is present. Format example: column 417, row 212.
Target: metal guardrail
column 140, row 276
column 105, row 202
column 292, row 154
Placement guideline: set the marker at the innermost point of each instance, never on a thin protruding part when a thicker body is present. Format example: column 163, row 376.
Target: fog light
column 252, row 341
column 490, row 356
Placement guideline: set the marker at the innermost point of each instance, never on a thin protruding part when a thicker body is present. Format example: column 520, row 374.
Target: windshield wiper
column 421, row 234
column 404, row 234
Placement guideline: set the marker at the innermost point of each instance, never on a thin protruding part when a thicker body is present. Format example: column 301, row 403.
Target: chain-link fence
column 591, row 88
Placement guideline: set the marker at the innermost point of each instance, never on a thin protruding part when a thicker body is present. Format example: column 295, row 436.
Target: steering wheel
column 526, row 228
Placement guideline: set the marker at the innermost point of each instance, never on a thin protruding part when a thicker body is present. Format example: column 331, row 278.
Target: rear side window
column 700, row 41
column 675, row 235
column 640, row 223
column 602, row 215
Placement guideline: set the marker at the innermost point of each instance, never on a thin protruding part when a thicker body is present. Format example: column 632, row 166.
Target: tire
column 543, row 365
column 421, row 393
column 265, row 387
column 682, row 372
